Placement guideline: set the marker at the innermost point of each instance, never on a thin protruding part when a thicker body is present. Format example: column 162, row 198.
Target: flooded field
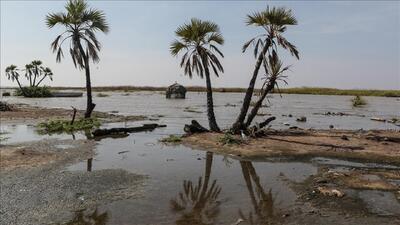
column 189, row 186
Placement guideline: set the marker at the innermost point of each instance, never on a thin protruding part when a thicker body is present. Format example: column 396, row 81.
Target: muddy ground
column 37, row 189
column 26, row 113
column 375, row 146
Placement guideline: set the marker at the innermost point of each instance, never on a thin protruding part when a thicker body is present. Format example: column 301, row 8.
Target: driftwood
column 257, row 130
column 145, row 127
column 194, row 127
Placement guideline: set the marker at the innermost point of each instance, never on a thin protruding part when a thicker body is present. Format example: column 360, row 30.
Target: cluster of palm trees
column 35, row 73
column 199, row 43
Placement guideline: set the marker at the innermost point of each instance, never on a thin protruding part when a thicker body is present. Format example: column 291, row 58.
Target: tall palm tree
column 274, row 21
column 199, row 40
column 13, row 75
column 80, row 23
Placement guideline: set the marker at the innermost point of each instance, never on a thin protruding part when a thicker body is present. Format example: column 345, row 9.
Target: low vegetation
column 102, row 95
column 229, row 139
column 357, row 101
column 34, row 92
column 60, row 126
column 171, row 139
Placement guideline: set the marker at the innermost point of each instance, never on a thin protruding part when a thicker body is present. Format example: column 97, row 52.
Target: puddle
column 382, row 203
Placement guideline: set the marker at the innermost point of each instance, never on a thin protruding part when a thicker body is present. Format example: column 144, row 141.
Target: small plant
column 60, row 126
column 101, row 95
column 229, row 139
column 34, row 92
column 171, row 139
column 358, row 101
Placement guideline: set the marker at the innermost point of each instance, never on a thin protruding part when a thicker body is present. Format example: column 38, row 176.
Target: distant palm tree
column 13, row 75
column 198, row 40
column 80, row 23
column 274, row 21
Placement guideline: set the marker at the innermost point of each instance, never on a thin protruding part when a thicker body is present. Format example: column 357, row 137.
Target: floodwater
column 189, row 186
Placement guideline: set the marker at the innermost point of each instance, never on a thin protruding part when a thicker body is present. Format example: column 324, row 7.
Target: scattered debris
column 301, row 119
column 330, row 192
column 378, row 119
column 122, row 152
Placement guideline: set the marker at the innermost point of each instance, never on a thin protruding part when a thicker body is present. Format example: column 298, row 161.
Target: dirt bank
column 25, row 113
column 374, row 146
column 36, row 187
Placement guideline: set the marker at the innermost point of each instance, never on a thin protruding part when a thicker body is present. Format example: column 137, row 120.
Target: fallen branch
column 145, row 127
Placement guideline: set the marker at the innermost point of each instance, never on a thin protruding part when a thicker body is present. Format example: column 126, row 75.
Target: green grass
column 171, row 139
column 334, row 91
column 60, row 126
column 357, row 101
column 229, row 139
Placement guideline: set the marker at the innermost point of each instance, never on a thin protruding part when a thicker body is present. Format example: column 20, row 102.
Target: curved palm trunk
column 210, row 104
column 20, row 87
column 239, row 123
column 90, row 105
column 40, row 81
column 256, row 107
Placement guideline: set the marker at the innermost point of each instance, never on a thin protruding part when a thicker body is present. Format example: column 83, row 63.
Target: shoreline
column 376, row 146
column 295, row 90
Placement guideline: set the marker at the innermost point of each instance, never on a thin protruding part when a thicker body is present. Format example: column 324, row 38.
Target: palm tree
column 80, row 23
column 198, row 40
column 45, row 72
column 274, row 21
column 13, row 75
column 274, row 73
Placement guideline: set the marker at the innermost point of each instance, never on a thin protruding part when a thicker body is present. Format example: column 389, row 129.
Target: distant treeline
column 300, row 90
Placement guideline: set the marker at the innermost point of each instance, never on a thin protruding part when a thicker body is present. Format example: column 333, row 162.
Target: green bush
column 358, row 101
column 34, row 92
column 60, row 126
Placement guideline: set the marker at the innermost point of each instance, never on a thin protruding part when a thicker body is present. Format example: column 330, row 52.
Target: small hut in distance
column 176, row 91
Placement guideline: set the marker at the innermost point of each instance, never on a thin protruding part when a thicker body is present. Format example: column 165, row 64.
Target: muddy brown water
column 188, row 185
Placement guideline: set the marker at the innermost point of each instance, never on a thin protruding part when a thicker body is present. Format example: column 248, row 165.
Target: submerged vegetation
column 171, row 139
column 357, row 101
column 60, row 126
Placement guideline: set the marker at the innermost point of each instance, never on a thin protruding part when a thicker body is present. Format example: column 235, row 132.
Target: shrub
column 34, row 92
column 358, row 101
column 171, row 139
column 60, row 126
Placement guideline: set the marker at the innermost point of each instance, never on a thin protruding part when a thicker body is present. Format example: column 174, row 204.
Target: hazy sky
column 342, row 44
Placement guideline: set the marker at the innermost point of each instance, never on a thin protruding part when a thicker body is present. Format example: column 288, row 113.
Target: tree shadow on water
column 198, row 203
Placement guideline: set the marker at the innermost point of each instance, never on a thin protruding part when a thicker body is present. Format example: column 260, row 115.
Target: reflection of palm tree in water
column 92, row 219
column 198, row 203
column 262, row 201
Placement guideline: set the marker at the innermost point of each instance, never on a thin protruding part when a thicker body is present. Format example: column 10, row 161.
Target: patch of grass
column 102, row 95
column 229, row 139
column 171, row 139
column 357, row 101
column 60, row 126
column 334, row 91
column 34, row 92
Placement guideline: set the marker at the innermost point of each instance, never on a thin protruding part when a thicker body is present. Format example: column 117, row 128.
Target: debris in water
column 122, row 152
column 301, row 119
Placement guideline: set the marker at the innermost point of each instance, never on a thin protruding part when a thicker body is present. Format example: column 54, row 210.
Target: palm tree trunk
column 40, row 81
column 20, row 87
column 207, row 175
column 256, row 107
column 239, row 123
column 210, row 104
column 89, row 106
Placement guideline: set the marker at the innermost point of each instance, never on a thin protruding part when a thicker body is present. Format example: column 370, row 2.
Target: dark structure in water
column 176, row 91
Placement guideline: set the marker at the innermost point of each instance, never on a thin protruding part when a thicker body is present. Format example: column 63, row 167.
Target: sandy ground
column 375, row 146
column 27, row 113
column 36, row 188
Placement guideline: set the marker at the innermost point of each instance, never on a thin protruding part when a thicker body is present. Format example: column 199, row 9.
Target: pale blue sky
column 342, row 44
